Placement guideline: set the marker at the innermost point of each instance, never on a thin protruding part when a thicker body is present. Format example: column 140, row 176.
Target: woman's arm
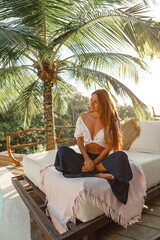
column 88, row 163
column 104, row 153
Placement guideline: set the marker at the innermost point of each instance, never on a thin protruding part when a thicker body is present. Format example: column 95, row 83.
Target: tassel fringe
column 109, row 212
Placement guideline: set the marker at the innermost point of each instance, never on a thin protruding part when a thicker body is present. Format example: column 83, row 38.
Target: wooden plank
column 5, row 159
column 135, row 231
column 90, row 236
column 155, row 201
column 40, row 193
column 109, row 233
column 112, row 236
column 86, row 228
column 152, row 209
column 156, row 237
column 150, row 221
column 152, row 193
column 15, row 170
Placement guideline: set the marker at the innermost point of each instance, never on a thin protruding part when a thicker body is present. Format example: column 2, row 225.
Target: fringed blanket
column 66, row 195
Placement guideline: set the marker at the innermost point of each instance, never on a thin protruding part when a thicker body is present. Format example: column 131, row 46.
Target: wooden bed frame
column 80, row 230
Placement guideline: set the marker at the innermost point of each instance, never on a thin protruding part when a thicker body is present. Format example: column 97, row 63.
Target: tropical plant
column 125, row 111
column 10, row 122
column 46, row 43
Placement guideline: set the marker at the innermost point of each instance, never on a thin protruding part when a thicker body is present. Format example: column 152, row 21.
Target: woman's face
column 95, row 105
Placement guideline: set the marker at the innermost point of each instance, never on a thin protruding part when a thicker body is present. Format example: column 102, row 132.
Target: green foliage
column 36, row 123
column 75, row 106
column 11, row 122
column 127, row 111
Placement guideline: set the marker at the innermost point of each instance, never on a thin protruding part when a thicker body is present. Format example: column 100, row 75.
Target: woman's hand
column 88, row 165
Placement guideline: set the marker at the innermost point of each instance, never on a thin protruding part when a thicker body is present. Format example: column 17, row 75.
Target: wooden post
column 9, row 152
column 154, row 114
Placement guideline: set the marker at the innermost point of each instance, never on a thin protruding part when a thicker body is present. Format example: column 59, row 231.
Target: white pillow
column 149, row 138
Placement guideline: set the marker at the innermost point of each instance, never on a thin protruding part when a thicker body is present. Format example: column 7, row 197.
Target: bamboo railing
column 10, row 147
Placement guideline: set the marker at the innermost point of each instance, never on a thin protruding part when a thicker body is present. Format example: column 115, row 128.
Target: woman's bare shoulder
column 84, row 115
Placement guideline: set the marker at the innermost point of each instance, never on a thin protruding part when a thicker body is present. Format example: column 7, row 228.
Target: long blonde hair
column 110, row 119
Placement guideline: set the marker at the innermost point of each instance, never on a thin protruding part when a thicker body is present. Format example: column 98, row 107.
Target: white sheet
column 66, row 196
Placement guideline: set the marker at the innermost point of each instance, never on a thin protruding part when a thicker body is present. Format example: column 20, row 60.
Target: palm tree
column 35, row 36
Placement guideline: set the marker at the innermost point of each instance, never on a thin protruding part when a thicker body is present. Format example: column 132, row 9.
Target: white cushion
column 149, row 138
column 150, row 163
column 33, row 163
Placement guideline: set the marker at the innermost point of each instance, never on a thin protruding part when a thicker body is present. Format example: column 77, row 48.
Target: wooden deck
column 147, row 229
column 5, row 159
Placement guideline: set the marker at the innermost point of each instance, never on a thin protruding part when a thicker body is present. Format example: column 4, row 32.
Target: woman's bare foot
column 105, row 175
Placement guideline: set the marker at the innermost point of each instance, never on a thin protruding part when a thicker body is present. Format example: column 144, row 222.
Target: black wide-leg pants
column 70, row 163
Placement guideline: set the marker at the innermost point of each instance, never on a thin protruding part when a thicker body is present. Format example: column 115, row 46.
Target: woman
column 98, row 133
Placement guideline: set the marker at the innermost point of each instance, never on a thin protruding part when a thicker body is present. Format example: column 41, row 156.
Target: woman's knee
column 62, row 150
column 121, row 154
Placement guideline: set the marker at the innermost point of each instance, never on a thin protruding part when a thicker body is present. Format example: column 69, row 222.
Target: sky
column 148, row 88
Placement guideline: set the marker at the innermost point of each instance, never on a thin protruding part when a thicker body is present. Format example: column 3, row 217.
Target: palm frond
column 29, row 102
column 90, row 76
column 124, row 64
column 61, row 92
column 12, row 81
column 142, row 34
column 116, row 3
column 13, row 34
column 39, row 14
column 8, row 94
column 6, row 97
column 109, row 30
column 16, row 41
column 16, row 76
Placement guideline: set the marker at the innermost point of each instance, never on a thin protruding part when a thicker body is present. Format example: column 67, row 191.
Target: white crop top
column 83, row 131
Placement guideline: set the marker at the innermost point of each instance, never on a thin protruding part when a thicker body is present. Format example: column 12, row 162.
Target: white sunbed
column 145, row 151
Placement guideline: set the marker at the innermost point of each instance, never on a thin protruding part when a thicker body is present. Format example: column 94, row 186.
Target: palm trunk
column 49, row 117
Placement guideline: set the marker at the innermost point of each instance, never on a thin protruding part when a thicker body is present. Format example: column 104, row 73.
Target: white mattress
column 33, row 163
column 150, row 163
